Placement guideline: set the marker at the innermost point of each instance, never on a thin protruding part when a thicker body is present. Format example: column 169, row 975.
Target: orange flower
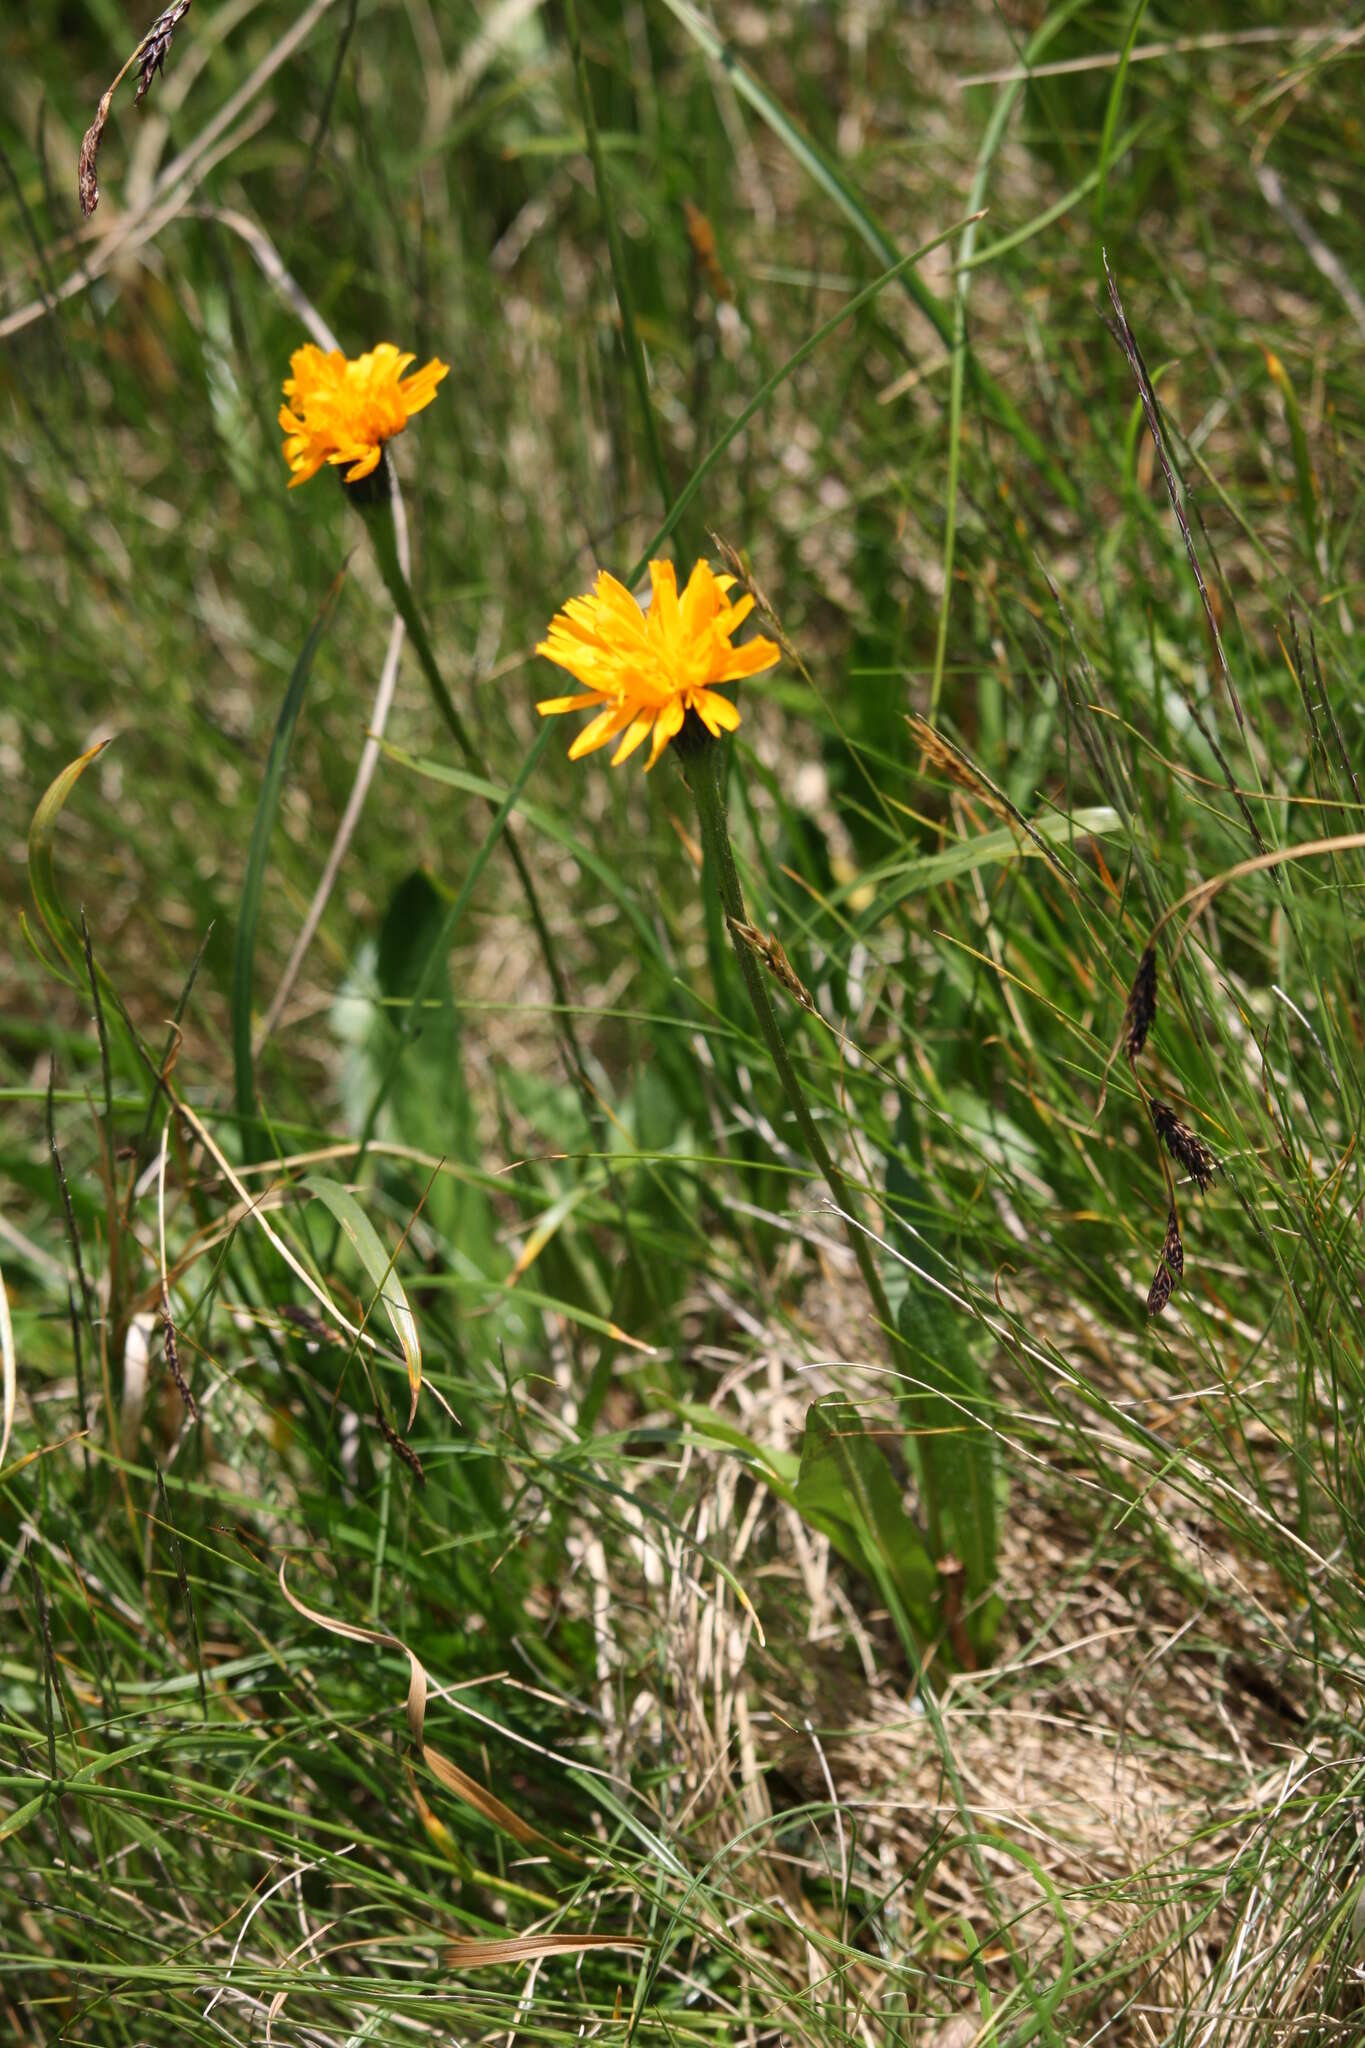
column 343, row 411
column 644, row 671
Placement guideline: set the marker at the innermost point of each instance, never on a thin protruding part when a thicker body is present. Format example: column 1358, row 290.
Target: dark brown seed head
column 1141, row 1007
column 87, row 177
column 402, row 1450
column 1173, row 1251
column 1184, row 1146
column 1170, row 1267
column 173, row 1365
column 156, row 45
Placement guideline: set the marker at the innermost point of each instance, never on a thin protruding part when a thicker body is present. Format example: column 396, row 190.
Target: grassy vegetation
column 825, row 1599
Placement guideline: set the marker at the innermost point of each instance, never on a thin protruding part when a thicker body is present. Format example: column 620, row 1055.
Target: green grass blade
column 365, row 1242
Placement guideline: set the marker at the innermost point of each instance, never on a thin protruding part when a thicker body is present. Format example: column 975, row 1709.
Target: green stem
column 378, row 519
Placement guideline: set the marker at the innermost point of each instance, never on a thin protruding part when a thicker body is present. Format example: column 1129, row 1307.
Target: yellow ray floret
column 642, row 672
column 343, row 411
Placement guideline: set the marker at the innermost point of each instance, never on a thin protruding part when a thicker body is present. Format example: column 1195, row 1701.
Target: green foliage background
column 629, row 1294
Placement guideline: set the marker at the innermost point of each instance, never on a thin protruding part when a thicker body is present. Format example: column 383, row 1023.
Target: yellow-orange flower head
column 343, row 411
column 644, row 671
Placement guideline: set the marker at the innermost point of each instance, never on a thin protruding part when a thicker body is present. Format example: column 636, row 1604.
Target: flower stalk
column 376, row 510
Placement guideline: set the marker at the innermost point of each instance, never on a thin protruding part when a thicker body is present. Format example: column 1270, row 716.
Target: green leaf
column 944, row 1396
column 779, row 1469
column 847, row 1490
column 378, row 1266
column 945, row 1409
column 546, row 823
column 243, row 964
column 912, row 877
column 42, row 872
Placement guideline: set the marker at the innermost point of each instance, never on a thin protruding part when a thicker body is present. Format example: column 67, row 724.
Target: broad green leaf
column 378, row 1266
column 846, row 1488
column 945, row 1407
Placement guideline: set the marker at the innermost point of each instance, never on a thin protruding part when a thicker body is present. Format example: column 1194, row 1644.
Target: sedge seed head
column 1140, row 1011
column 1170, row 1267
column 1185, row 1146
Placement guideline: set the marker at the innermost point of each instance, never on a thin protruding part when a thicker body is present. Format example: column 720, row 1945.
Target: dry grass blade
column 450, row 1775
column 469, row 1953
column 252, row 1208
column 150, row 54
column 941, row 753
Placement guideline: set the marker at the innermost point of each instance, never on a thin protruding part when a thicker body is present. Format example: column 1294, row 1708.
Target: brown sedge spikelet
column 150, row 55
column 401, row 1449
column 172, row 1348
column 1170, row 1267
column 771, row 952
column 702, row 236
column 1140, row 1010
column 156, row 46
column 1185, row 1146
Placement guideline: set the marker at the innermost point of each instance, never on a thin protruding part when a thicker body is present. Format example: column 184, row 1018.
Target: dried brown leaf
column 469, row 1953
column 450, row 1775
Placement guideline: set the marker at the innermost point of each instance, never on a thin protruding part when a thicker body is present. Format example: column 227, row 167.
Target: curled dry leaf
column 450, row 1775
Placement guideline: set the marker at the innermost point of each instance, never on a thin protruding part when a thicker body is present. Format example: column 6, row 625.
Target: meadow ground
column 821, row 1355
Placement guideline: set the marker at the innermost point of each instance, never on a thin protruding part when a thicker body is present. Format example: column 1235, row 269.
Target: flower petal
column 636, row 734
column 666, row 726
column 548, row 706
column 718, row 714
